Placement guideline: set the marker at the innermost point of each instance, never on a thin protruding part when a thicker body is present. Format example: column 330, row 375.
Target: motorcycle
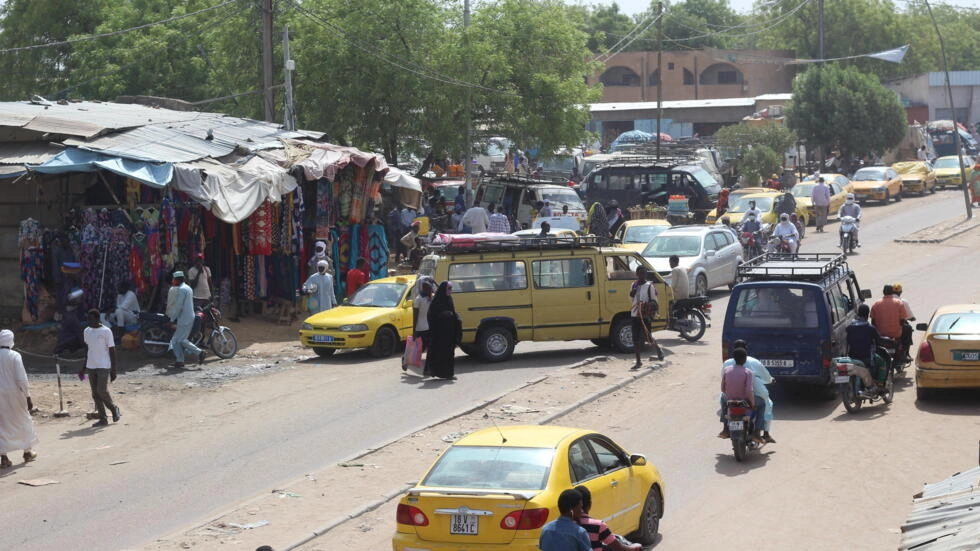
column 689, row 317
column 156, row 332
column 848, row 234
column 740, row 418
column 750, row 244
column 852, row 389
column 780, row 245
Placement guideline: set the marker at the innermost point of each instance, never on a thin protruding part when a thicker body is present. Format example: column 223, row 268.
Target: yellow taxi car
column 635, row 234
column 496, row 488
column 948, row 170
column 949, row 355
column 712, row 215
column 377, row 317
column 875, row 183
column 917, row 176
column 839, row 185
column 765, row 202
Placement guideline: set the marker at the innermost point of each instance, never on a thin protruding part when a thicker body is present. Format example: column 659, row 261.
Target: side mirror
column 638, row 460
column 921, row 326
column 865, row 293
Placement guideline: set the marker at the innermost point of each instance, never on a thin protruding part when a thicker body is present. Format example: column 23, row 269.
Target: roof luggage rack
column 798, row 267
column 466, row 243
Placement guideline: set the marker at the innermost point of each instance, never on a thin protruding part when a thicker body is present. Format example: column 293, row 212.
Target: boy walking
column 100, row 366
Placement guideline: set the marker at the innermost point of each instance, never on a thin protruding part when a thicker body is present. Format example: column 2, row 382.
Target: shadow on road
column 725, row 463
column 801, row 402
column 950, row 402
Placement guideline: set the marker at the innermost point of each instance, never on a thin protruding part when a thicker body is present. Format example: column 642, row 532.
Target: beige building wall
column 694, row 74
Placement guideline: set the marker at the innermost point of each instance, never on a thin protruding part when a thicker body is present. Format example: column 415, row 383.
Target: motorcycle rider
column 760, row 378
column 737, row 384
column 862, row 339
column 751, row 223
column 851, row 208
column 887, row 315
column 786, row 231
column 753, row 211
column 906, row 323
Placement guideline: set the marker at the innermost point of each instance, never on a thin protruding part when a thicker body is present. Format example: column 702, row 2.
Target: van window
column 839, row 302
column 777, row 307
column 620, row 267
column 562, row 273
column 493, row 194
column 470, row 277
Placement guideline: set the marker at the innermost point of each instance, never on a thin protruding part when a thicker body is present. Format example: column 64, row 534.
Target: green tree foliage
column 691, row 24
column 759, row 162
column 605, row 26
column 758, row 148
column 841, row 107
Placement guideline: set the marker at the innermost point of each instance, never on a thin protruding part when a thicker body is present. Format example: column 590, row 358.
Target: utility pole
column 288, row 66
column 660, row 72
column 268, row 95
column 820, row 30
column 952, row 116
column 468, row 158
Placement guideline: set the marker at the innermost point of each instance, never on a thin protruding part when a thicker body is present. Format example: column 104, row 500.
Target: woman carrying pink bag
column 418, row 342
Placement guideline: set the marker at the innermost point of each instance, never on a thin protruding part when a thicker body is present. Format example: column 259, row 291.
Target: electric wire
column 624, row 37
column 613, row 51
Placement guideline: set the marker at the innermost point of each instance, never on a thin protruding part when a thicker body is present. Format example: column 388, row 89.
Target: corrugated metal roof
column 687, row 104
column 32, row 153
column 956, row 78
column 945, row 516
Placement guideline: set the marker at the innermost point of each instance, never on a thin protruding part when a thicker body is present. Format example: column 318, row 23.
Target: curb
column 544, row 420
column 966, row 225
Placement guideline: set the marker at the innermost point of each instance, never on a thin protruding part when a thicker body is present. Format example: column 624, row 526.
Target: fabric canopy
column 397, row 177
column 77, row 160
column 232, row 192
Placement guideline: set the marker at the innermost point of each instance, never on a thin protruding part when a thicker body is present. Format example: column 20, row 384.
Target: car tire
column 323, row 351
column 601, row 343
column 495, row 343
column 933, row 189
column 653, row 510
column 701, row 286
column 621, row 334
column 898, row 196
column 888, row 197
column 470, row 350
column 385, row 342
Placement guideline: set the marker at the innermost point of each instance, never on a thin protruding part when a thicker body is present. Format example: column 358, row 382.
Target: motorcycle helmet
column 784, row 217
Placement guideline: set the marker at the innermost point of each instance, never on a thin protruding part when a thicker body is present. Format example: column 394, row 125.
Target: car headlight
column 306, row 327
column 353, row 327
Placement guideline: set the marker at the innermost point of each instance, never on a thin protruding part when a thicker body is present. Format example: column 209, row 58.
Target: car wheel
column 601, row 343
column 470, row 350
column 385, row 342
column 701, row 286
column 653, row 509
column 898, row 196
column 495, row 343
column 933, row 189
column 888, row 197
column 324, row 352
column 622, row 334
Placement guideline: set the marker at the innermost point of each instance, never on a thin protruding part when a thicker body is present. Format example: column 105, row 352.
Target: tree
column 759, row 148
column 841, row 107
column 605, row 26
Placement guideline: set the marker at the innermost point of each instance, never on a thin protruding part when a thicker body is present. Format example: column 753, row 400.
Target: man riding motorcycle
column 862, row 339
column 786, row 231
column 851, row 208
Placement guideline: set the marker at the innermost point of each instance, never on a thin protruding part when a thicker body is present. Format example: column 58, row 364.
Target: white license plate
column 777, row 363
column 321, row 338
column 841, row 379
column 966, row 355
column 736, row 425
column 465, row 524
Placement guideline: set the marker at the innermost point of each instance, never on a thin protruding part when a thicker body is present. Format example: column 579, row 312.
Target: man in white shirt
column 641, row 293
column 199, row 279
column 100, row 364
column 127, row 307
column 476, row 219
column 787, row 231
column 821, row 202
column 679, row 281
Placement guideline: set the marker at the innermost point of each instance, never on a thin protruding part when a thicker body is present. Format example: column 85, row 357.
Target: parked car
column 711, row 255
column 635, row 234
column 949, row 354
column 917, row 176
column 948, row 170
column 497, row 487
column 378, row 317
column 876, row 183
column 839, row 184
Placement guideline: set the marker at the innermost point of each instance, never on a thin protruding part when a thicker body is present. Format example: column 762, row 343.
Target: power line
column 114, row 33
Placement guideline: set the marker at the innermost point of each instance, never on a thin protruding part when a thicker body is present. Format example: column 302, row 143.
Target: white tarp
column 233, row 192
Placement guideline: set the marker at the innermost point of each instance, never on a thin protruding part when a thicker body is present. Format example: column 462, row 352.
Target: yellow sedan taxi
column 839, row 185
column 635, row 234
column 766, row 203
column 948, row 171
column 876, row 183
column 917, row 176
column 377, row 317
column 712, row 215
column 496, row 488
column 949, row 355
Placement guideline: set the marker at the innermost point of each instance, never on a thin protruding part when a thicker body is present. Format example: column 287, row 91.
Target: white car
column 711, row 255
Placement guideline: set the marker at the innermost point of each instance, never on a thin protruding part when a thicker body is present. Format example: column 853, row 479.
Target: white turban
column 321, row 245
column 7, row 338
column 323, row 264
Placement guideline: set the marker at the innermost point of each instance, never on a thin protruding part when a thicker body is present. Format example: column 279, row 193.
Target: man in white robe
column 319, row 287
column 16, row 425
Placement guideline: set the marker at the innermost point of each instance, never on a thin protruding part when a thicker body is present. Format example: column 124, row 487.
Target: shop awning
column 397, row 177
column 232, row 192
column 77, row 160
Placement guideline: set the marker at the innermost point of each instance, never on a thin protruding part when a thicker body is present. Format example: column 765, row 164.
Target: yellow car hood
column 347, row 315
column 952, row 171
column 868, row 184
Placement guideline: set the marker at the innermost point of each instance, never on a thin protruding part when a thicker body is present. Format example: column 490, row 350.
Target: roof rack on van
column 523, row 244
column 799, row 267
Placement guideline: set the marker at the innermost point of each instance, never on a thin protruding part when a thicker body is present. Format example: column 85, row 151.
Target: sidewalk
column 943, row 230
column 302, row 510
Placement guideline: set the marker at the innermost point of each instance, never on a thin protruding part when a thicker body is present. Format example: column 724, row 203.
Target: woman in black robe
column 444, row 331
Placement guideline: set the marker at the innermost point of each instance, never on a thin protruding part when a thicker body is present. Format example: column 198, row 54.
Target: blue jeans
column 180, row 343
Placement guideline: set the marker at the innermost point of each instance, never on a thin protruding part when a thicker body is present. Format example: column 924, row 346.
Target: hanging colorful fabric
column 377, row 251
column 323, row 201
column 260, row 230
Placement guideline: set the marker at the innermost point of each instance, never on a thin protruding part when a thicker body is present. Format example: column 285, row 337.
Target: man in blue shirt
column 564, row 533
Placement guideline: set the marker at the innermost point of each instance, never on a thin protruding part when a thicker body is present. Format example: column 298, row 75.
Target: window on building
column 727, row 77
column 721, row 73
column 620, row 76
column 654, row 78
column 670, row 66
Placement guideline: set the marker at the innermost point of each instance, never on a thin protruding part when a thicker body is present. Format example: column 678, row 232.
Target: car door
column 566, row 299
column 617, row 494
column 716, row 258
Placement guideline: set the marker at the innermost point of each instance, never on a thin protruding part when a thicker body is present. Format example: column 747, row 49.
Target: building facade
column 925, row 99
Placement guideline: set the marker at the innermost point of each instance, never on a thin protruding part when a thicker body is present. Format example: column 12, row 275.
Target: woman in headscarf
column 16, row 426
column 598, row 223
column 444, row 333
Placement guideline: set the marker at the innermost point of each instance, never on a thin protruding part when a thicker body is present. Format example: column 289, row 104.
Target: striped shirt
column 499, row 223
column 599, row 533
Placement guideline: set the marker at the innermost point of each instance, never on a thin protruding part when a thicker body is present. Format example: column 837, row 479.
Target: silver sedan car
column 711, row 255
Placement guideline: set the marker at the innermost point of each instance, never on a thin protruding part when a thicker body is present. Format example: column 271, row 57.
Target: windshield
column 380, row 295
column 666, row 245
column 944, row 162
column 562, row 196
column 642, row 234
column 802, row 190
column 492, row 467
column 560, row 163
column 869, row 174
column 966, row 322
column 706, row 180
column 776, row 308
column 742, row 204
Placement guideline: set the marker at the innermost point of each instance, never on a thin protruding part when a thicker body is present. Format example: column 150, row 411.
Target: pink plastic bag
column 413, row 353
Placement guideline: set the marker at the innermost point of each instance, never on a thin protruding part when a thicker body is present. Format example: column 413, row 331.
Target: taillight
column 410, row 515
column 737, row 411
column 842, row 369
column 925, row 352
column 528, row 519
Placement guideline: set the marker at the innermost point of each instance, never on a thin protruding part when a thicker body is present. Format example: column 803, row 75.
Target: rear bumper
column 869, row 195
column 410, row 542
column 946, row 378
